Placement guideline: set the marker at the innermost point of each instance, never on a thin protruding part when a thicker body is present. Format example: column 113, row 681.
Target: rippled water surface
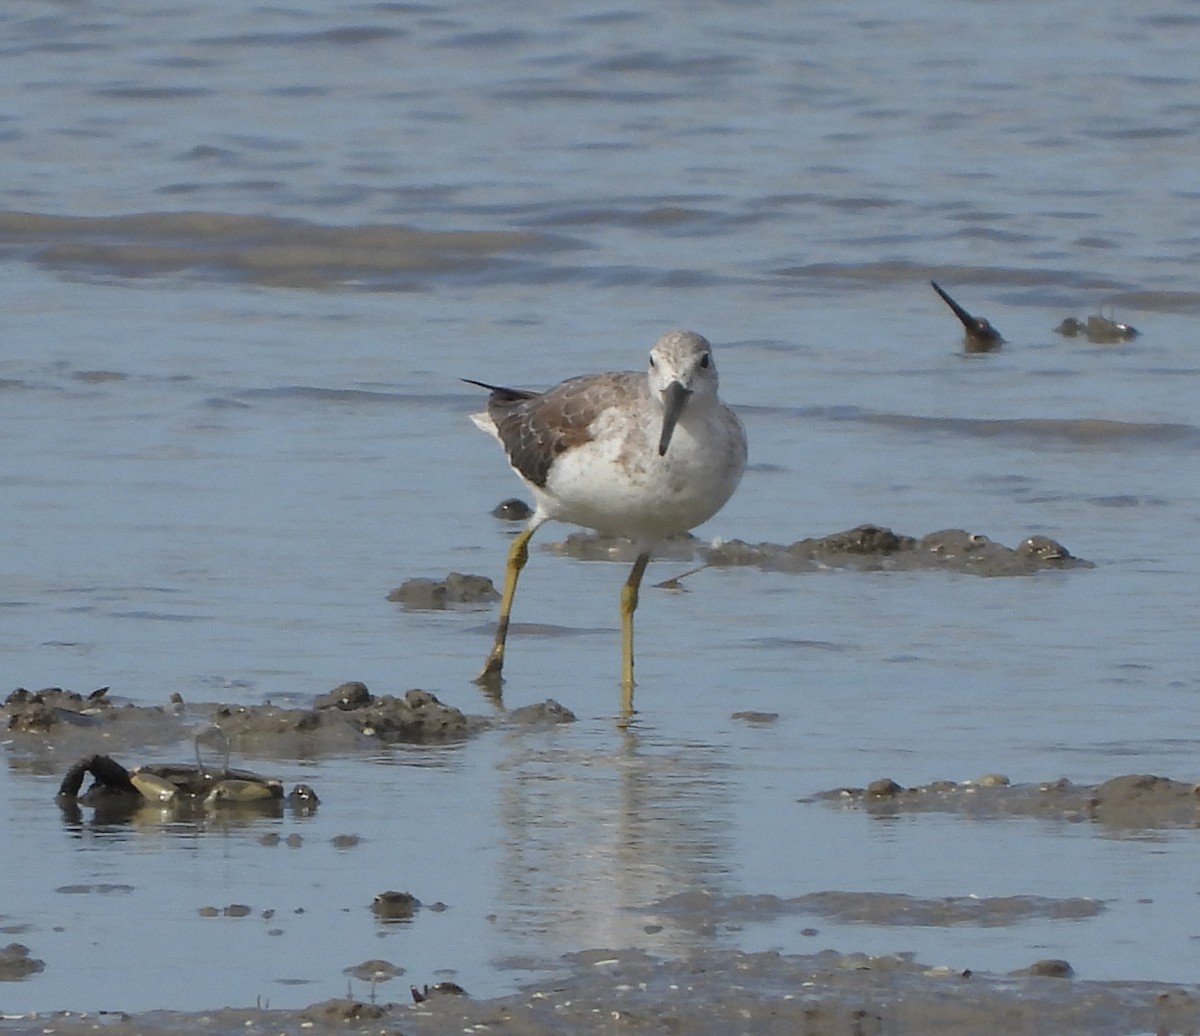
column 250, row 250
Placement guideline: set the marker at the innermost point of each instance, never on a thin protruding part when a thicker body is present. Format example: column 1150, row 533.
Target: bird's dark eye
column 705, row 361
column 652, row 363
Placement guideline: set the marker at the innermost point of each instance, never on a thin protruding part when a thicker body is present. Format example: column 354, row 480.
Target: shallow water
column 225, row 440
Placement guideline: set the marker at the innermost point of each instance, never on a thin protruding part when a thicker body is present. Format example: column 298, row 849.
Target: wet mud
column 719, row 992
column 702, row 911
column 261, row 250
column 423, row 594
column 395, row 906
column 16, row 963
column 1128, row 802
column 715, row 991
column 865, row 548
column 347, row 717
column 874, row 547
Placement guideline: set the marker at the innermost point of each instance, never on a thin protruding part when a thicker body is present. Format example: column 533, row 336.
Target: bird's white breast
column 618, row 484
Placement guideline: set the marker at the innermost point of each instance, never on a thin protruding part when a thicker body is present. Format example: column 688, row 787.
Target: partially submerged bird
column 978, row 335
column 643, row 456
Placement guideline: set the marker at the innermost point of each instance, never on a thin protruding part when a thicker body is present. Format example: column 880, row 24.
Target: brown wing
column 536, row 429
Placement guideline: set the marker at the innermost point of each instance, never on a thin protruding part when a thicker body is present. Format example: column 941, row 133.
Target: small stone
column 512, row 510
column 395, row 906
column 993, row 780
column 1050, row 968
column 546, row 713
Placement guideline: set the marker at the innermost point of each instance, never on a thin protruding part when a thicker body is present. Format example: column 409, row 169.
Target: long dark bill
column 675, row 398
column 964, row 317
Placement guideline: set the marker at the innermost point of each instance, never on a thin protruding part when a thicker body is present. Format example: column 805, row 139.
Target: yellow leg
column 518, row 554
column 629, row 603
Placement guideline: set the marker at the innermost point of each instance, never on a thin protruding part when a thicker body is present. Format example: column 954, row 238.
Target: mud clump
column 1129, row 802
column 17, row 964
column 546, row 713
column 1144, row 800
column 341, row 1012
column 349, row 709
column 345, row 718
column 1052, row 967
column 438, row 594
column 875, row 548
column 39, row 712
column 867, row 548
column 395, row 906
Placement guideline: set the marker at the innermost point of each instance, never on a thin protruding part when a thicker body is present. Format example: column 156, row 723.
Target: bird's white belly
column 623, row 487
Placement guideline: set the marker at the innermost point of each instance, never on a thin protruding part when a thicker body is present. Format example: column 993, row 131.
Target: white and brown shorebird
column 642, row 456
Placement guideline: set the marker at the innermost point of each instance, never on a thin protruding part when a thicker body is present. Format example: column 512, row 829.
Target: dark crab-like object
column 180, row 785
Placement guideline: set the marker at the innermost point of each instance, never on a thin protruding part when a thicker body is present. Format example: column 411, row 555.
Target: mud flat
column 717, row 991
column 825, row 994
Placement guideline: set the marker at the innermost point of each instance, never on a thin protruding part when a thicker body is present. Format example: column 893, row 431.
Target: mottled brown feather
column 536, row 428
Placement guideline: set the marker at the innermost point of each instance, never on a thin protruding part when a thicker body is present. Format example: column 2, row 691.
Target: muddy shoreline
column 721, row 992
column 716, row 991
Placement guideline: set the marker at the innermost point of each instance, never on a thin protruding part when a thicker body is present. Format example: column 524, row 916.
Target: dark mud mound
column 869, row 548
column 16, row 963
column 347, row 717
column 456, row 590
column 548, row 713
column 877, row 548
column 1129, row 802
column 52, row 708
column 347, row 714
column 714, row 994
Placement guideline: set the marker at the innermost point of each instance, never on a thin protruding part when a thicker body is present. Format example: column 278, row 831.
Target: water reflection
column 590, row 834
column 117, row 816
